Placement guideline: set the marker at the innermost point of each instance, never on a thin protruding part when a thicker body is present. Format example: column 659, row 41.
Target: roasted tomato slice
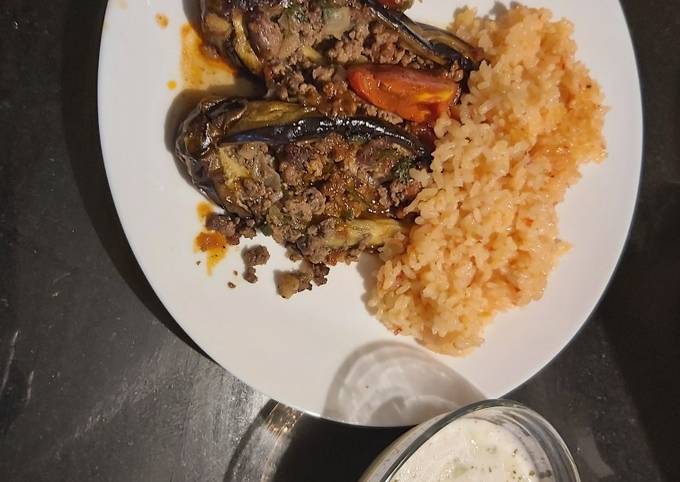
column 414, row 95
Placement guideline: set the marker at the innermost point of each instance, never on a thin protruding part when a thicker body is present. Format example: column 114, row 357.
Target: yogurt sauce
column 469, row 449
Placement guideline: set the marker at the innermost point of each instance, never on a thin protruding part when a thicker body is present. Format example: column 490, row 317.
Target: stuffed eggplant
column 343, row 57
column 327, row 188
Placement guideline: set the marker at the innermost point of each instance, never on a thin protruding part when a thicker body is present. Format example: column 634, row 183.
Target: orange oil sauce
column 212, row 243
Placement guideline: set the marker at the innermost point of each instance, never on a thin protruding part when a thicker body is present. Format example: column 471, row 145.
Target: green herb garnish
column 401, row 169
column 296, row 12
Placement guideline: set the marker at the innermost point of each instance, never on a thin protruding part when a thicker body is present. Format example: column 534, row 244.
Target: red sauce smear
column 212, row 243
column 201, row 69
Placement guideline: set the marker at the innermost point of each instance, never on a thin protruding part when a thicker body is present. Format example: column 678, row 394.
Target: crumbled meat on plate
column 255, row 256
column 249, row 275
column 319, row 273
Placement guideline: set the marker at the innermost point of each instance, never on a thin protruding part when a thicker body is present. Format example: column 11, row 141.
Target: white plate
column 322, row 352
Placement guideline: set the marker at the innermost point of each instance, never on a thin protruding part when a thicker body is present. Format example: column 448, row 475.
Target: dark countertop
column 97, row 382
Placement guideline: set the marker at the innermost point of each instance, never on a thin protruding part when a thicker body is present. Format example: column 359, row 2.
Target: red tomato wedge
column 414, row 95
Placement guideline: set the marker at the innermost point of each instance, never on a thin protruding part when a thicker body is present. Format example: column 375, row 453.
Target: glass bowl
column 544, row 446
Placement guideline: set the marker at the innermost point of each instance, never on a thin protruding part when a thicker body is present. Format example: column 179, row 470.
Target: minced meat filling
column 255, row 256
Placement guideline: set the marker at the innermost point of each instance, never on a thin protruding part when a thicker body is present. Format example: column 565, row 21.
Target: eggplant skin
column 194, row 142
column 316, row 127
column 216, row 122
column 215, row 119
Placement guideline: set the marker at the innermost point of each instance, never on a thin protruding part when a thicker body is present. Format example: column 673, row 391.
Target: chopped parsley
column 296, row 12
column 327, row 4
column 401, row 169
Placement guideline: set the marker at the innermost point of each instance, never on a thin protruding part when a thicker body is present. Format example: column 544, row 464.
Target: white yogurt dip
column 469, row 449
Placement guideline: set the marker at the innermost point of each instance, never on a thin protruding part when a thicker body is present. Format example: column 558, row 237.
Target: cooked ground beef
column 319, row 273
column 334, row 178
column 255, row 256
column 305, row 163
column 249, row 275
column 312, row 245
column 231, row 226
